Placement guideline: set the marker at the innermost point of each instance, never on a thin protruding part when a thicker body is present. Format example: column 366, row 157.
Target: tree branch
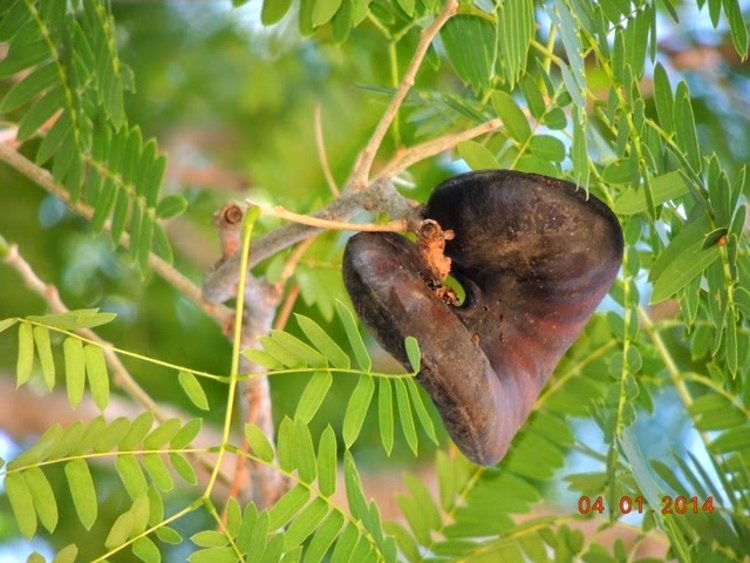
column 166, row 271
column 361, row 174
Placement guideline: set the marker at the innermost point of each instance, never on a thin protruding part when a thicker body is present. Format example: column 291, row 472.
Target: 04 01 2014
column 626, row 505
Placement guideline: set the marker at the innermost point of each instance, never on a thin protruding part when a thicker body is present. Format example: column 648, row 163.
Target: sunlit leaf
column 43, row 497
column 355, row 338
column 75, row 370
column 357, row 408
column 96, row 372
column 25, row 362
column 259, row 442
column 477, row 156
column 313, row 395
column 21, row 502
column 82, row 490
column 193, row 389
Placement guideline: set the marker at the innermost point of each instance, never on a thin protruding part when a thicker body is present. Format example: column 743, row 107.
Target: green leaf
column 138, row 430
column 345, row 546
column 413, row 353
column 516, row 27
column 354, row 494
column 385, row 413
column 82, row 490
column 169, row 535
column 324, row 537
column 324, row 10
column 285, row 445
column 158, row 471
column 470, row 43
column 407, row 6
column 262, row 359
column 685, row 131
column 477, row 156
column 294, row 346
column 324, row 343
column 186, row 434
column 22, row 503
column 75, row 370
column 664, row 188
column 313, row 395
column 120, row 531
column 44, row 498
column 690, row 236
column 258, row 441
column 96, row 371
column 663, row 98
column 193, row 389
column 547, row 147
column 145, row 550
column 514, row 120
column 288, row 506
column 424, row 417
column 66, row 555
column 737, row 26
column 6, row 323
column 131, row 475
column 304, row 452
column 183, row 468
column 357, row 408
column 327, row 462
column 162, row 434
column 40, row 112
column 171, row 206
column 214, row 555
column 25, row 362
column 209, row 538
column 354, row 337
column 36, row 82
column 306, row 523
column 273, row 10
column 74, row 320
column 405, row 414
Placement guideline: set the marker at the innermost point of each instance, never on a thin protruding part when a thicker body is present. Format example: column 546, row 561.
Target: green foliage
column 72, row 99
column 568, row 88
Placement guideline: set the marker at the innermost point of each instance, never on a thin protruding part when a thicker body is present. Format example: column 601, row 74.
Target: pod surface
column 534, row 255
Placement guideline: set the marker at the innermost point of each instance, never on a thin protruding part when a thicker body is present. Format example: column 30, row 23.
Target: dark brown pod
column 535, row 256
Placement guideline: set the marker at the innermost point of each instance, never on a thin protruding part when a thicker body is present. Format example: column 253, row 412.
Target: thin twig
column 362, row 170
column 397, row 225
column 286, row 308
column 404, row 158
column 320, row 144
column 166, row 271
column 51, row 296
column 291, row 263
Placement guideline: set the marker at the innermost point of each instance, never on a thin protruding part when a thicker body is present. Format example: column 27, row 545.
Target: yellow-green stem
column 249, row 222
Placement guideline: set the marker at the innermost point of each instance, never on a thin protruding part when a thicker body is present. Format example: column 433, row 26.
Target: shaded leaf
column 514, row 120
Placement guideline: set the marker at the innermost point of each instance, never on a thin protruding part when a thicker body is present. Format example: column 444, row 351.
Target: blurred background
column 233, row 105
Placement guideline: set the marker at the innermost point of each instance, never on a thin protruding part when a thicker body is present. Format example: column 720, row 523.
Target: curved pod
column 535, row 256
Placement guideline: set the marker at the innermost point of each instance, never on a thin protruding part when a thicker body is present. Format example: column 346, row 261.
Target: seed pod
column 534, row 255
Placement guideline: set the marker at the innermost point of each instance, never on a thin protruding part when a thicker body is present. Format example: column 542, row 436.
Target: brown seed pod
column 534, row 255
